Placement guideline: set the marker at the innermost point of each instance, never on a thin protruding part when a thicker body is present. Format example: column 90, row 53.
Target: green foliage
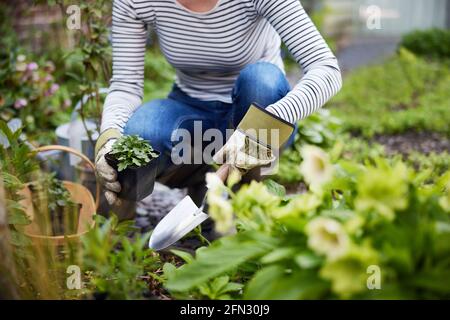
column 28, row 91
column 54, row 190
column 17, row 167
column 323, row 244
column 9, row 39
column 433, row 165
column 116, row 262
column 357, row 149
column 432, row 43
column 159, row 75
column 319, row 129
column 132, row 151
column 405, row 92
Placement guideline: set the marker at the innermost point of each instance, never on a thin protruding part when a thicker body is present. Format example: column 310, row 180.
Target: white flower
column 214, row 183
column 316, row 167
column 327, row 236
column 221, row 212
column 21, row 67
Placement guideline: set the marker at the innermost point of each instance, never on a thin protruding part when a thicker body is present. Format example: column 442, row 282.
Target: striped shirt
column 208, row 50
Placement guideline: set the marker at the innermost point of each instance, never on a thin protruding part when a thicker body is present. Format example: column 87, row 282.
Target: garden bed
column 410, row 141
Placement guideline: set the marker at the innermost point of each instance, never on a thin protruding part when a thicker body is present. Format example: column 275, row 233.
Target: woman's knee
column 262, row 83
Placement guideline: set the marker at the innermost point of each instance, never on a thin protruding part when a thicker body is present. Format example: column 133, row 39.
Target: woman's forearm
column 129, row 36
column 322, row 76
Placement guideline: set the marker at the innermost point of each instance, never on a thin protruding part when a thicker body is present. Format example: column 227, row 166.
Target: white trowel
column 182, row 219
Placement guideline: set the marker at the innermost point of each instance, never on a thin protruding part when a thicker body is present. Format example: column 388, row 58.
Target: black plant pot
column 136, row 182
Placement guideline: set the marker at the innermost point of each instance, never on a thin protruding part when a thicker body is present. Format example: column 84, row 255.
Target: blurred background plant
column 431, row 43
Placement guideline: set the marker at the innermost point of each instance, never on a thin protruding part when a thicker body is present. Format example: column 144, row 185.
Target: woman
column 226, row 54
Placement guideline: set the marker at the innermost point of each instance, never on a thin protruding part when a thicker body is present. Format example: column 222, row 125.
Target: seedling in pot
column 136, row 163
column 57, row 214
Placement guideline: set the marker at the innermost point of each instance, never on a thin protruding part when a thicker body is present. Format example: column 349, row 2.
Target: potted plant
column 136, row 162
column 49, row 195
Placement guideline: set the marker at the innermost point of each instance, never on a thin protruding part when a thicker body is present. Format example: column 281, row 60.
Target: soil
column 404, row 143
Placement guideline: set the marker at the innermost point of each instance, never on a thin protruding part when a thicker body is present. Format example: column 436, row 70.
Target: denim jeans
column 157, row 120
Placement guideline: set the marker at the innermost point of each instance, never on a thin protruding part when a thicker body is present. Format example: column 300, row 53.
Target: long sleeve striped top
column 208, row 50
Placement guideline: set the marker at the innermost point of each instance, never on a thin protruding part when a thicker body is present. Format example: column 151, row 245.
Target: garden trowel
column 182, row 219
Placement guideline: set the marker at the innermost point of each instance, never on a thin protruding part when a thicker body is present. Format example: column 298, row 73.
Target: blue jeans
column 157, row 120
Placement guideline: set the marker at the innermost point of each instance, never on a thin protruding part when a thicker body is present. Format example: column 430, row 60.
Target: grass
column 403, row 93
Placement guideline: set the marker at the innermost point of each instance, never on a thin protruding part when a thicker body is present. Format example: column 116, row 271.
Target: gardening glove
column 107, row 174
column 253, row 143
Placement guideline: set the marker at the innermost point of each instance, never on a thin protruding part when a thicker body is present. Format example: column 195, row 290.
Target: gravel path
column 366, row 50
column 153, row 208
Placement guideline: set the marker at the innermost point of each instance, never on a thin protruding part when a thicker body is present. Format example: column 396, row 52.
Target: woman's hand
column 254, row 142
column 107, row 174
column 244, row 153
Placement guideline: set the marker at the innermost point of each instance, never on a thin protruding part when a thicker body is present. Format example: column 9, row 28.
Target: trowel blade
column 181, row 220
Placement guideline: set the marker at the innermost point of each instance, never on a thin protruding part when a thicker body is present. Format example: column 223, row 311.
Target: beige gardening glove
column 244, row 153
column 253, row 143
column 107, row 175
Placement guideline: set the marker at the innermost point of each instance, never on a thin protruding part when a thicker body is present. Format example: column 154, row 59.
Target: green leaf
column 222, row 256
column 274, row 283
column 308, row 260
column 277, row 255
column 186, row 256
column 19, row 239
column 169, row 270
column 275, row 188
column 18, row 217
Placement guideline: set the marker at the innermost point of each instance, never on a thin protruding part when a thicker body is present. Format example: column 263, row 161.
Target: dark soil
column 405, row 143
column 296, row 188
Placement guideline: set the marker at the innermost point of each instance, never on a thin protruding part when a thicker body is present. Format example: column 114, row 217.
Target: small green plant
column 132, row 151
column 58, row 195
column 118, row 265
column 58, row 213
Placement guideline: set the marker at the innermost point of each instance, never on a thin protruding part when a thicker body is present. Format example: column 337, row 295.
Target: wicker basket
column 79, row 194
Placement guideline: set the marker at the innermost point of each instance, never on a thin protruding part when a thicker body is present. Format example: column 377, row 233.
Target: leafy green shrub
column 132, row 151
column 432, row 43
column 328, row 242
column 433, row 165
column 405, row 92
column 116, row 262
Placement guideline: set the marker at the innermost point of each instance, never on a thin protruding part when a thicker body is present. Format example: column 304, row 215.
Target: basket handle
column 79, row 154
